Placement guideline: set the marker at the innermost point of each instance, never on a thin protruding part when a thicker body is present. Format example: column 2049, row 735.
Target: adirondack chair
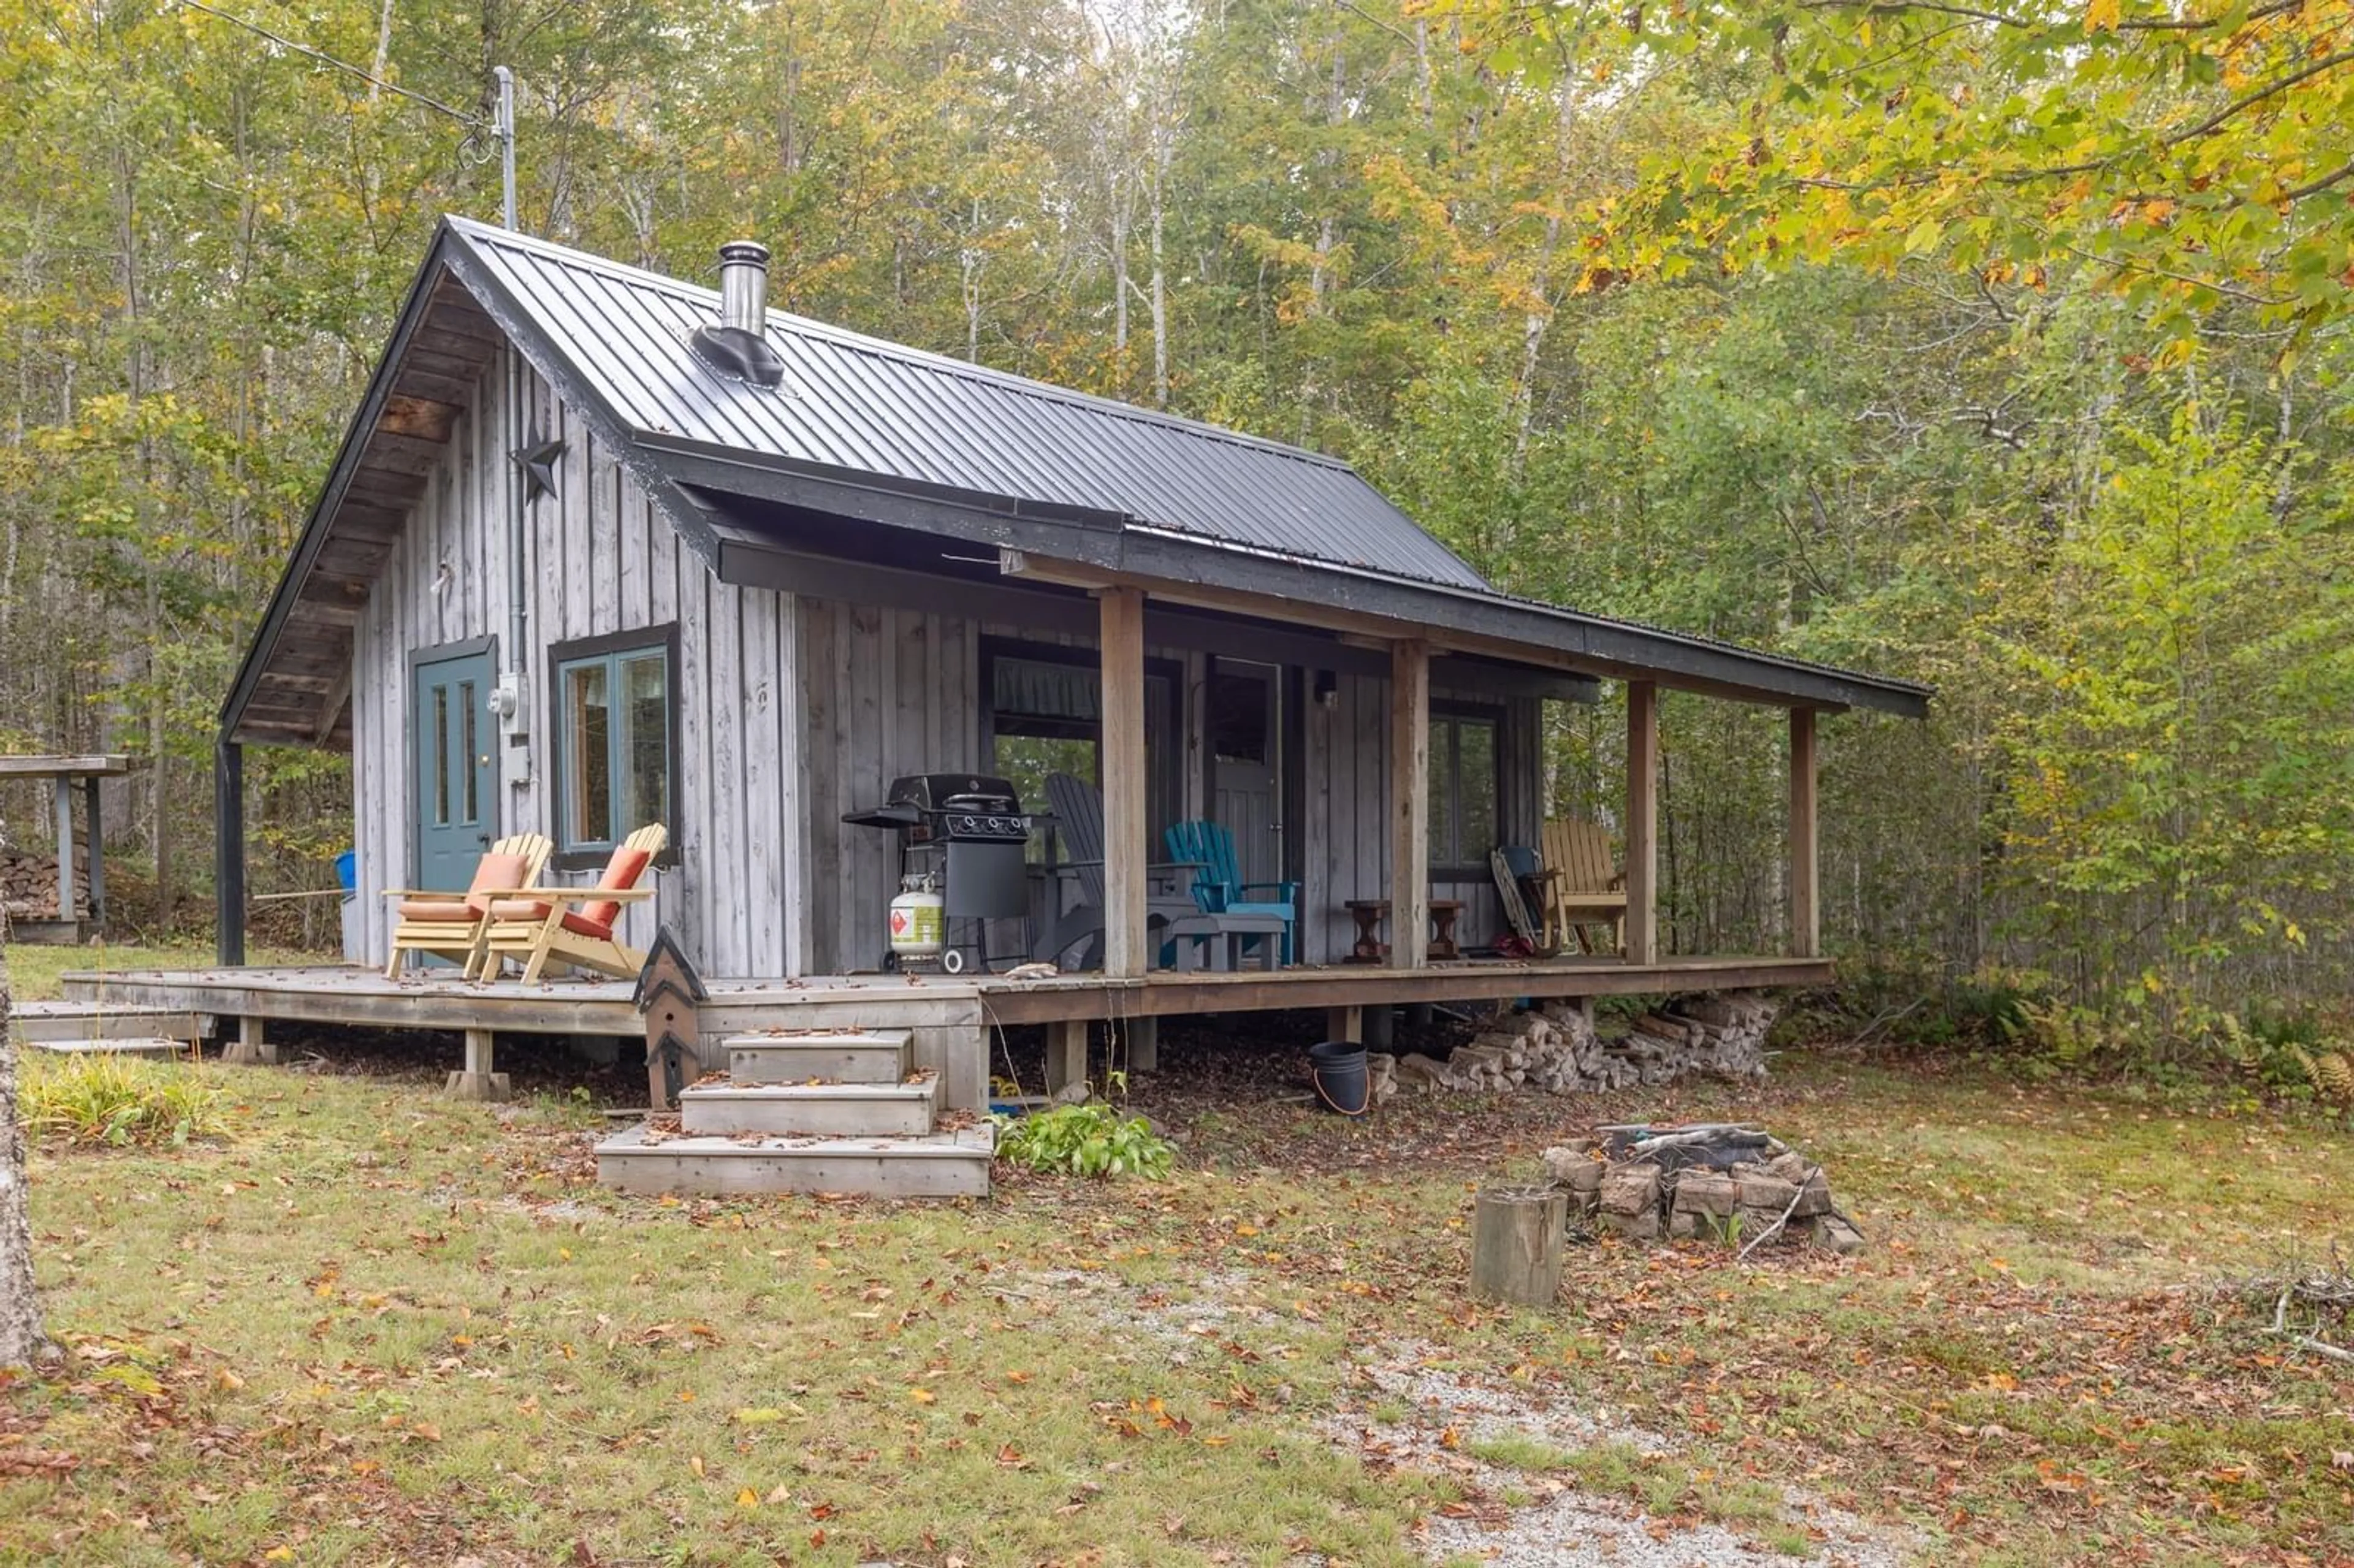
column 1581, row 885
column 453, row 925
column 1218, row 886
column 544, row 926
column 1077, row 807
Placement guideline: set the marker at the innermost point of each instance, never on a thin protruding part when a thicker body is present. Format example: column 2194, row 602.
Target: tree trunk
column 21, row 1339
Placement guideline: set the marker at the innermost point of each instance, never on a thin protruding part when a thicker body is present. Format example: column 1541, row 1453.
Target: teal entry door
column 449, row 744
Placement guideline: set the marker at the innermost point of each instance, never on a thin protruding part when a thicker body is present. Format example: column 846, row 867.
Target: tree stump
column 1516, row 1236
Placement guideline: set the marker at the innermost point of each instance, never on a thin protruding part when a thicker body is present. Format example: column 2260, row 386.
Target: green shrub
column 1092, row 1139
column 120, row 1100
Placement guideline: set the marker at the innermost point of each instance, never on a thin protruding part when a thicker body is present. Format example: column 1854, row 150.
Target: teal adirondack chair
column 1218, row 886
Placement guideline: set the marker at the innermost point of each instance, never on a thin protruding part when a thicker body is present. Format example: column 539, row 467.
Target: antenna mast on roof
column 503, row 128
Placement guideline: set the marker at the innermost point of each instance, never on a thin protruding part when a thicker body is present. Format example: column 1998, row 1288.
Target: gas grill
column 966, row 832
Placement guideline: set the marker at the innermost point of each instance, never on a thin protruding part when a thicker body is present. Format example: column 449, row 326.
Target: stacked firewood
column 28, row 885
column 1557, row 1049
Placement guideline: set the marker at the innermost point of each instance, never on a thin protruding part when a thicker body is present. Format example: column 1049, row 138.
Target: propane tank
column 918, row 918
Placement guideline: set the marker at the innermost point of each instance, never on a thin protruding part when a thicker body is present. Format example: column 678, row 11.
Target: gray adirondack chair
column 1077, row 932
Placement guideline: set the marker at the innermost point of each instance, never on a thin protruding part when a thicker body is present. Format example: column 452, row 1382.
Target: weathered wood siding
column 789, row 711
column 598, row 560
column 1347, row 802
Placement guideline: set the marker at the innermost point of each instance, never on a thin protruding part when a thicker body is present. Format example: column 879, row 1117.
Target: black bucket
column 1339, row 1069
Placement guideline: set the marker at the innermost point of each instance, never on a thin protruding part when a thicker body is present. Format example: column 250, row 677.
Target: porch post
column 1409, row 804
column 97, row 850
column 228, row 851
column 1806, row 907
column 67, row 910
column 1642, row 822
column 1124, row 782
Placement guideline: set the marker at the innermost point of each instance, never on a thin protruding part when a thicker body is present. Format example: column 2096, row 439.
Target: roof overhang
column 1077, row 547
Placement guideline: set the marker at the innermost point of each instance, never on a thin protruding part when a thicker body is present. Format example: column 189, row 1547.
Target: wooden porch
column 949, row 1016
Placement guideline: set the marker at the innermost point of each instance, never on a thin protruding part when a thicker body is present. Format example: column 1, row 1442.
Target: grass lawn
column 372, row 1327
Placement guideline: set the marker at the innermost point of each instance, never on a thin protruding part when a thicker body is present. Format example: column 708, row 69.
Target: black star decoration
column 537, row 462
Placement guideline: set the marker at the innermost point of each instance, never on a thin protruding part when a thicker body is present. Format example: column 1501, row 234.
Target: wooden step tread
column 929, row 1165
column 811, row 1110
column 923, row 1089
column 116, row 1045
column 886, row 1038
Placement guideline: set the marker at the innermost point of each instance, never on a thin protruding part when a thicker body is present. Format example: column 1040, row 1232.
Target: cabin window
column 1045, row 715
column 1463, row 791
column 614, row 753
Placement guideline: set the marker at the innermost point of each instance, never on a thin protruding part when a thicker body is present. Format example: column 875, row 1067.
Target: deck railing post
column 1409, row 804
column 1125, row 783
column 1806, row 904
column 1642, row 822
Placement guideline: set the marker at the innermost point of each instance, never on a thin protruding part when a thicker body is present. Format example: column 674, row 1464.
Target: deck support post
column 97, row 852
column 1127, row 949
column 476, row 1081
column 228, row 851
column 67, row 908
column 252, row 1047
column 1144, row 1036
column 1345, row 1024
column 1805, row 901
column 1066, row 1054
column 1409, row 805
column 1642, row 822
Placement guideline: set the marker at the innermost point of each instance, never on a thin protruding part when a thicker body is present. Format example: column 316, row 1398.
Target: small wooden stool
column 1443, row 912
column 1369, row 914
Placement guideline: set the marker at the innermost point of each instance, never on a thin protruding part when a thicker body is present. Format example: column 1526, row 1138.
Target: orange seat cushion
column 438, row 909
column 518, row 909
column 580, row 924
column 621, row 870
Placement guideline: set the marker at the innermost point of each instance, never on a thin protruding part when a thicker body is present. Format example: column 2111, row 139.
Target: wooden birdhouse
column 668, row 996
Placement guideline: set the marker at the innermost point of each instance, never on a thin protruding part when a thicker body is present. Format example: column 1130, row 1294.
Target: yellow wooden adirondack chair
column 453, row 925
column 541, row 925
column 1581, row 885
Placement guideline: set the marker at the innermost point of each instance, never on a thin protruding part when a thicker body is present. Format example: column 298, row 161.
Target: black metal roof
column 854, row 402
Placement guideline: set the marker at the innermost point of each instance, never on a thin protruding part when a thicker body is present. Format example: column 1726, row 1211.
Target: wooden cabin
column 604, row 547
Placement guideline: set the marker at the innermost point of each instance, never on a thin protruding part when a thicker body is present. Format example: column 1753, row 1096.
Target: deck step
column 819, row 1055
column 111, row 1046
column 811, row 1110
column 934, row 1165
column 36, row 1023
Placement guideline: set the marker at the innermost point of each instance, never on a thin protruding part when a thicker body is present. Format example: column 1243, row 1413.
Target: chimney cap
column 736, row 345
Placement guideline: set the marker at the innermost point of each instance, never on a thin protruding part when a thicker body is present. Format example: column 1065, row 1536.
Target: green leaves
column 1091, row 1139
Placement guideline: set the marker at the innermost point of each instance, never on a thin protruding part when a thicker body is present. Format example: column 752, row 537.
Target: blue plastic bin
column 347, row 870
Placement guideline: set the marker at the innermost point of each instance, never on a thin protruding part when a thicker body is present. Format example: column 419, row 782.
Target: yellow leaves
column 746, row 1498
column 923, row 1396
column 2103, row 16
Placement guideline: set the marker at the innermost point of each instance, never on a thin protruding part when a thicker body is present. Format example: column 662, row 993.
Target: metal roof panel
column 860, row 402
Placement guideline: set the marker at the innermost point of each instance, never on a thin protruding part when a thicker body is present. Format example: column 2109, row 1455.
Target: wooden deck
column 359, row 997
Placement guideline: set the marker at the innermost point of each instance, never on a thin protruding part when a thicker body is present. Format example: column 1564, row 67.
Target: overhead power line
column 324, row 58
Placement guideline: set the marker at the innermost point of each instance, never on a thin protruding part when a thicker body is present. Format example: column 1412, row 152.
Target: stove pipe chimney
column 744, row 286
column 736, row 345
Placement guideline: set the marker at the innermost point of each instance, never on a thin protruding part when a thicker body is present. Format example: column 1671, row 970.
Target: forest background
column 2000, row 347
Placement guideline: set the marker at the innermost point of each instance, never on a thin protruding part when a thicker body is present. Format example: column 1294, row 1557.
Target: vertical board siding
column 598, row 559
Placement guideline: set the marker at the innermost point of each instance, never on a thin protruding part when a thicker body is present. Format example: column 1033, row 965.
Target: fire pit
column 1720, row 1181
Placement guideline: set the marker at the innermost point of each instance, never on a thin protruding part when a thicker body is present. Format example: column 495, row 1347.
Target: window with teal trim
column 612, row 743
